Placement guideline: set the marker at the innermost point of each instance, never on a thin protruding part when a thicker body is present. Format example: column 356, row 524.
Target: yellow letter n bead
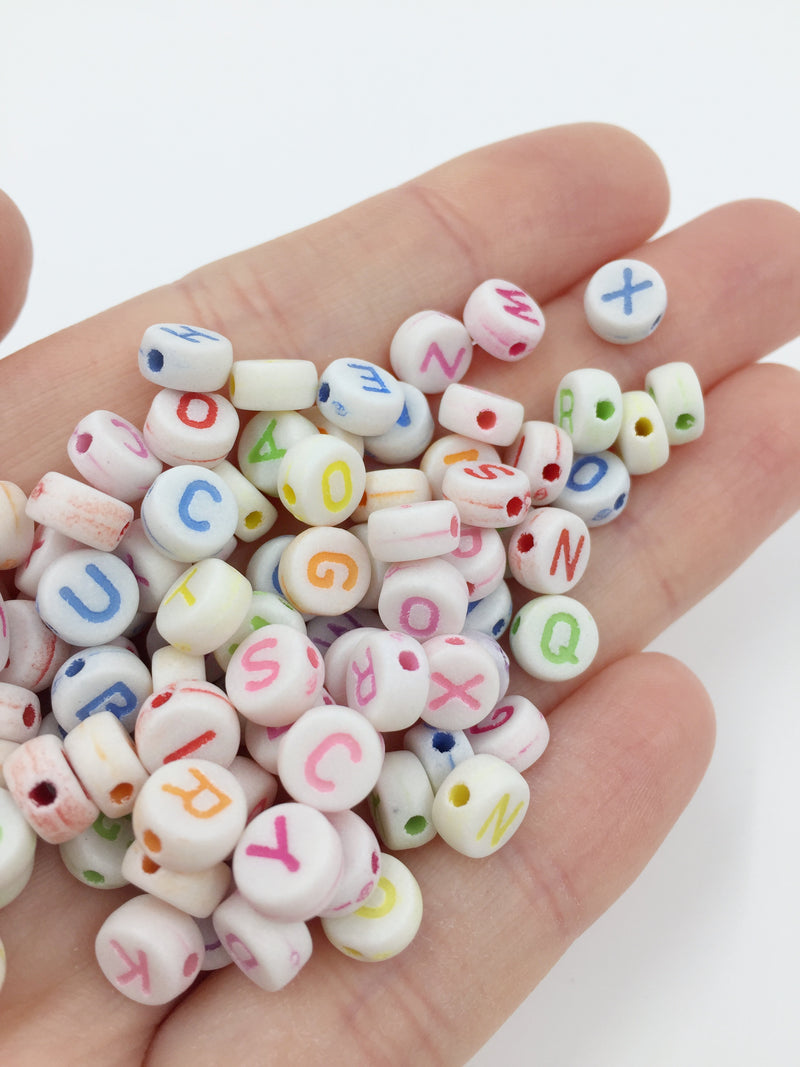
column 480, row 805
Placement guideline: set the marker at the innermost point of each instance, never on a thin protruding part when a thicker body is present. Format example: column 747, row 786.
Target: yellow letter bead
column 101, row 754
column 79, row 510
column 430, row 350
column 175, row 356
column 325, row 571
column 515, row 731
column 504, row 320
column 269, row 953
column 401, row 802
column 264, row 442
column 204, row 607
column 16, row 527
column 480, row 805
column 187, row 719
column 554, row 637
column 273, row 384
column 481, row 415
column 257, row 515
column 149, row 951
column 17, row 849
column 387, row 921
column 549, row 551
column 544, row 452
column 624, row 301
column 189, row 814
column 676, row 390
column 642, row 443
column 588, row 406
column 197, row 893
column 449, row 450
column 321, row 479
column 95, row 856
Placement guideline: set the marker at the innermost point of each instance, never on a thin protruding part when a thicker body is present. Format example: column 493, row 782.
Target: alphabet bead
column 339, row 654
column 100, row 753
column 273, row 384
column 361, row 863
column 189, row 513
column 101, row 679
column 480, row 415
column 424, row 598
column 287, row 862
column 48, row 545
column 401, row 802
column 87, row 597
column 451, row 449
column 544, row 452
column 35, row 653
column 17, row 849
column 481, row 558
column 112, row 455
column 196, row 893
column 480, row 805
column 204, row 607
column 549, row 551
column 187, row 719
column 598, row 488
column 388, row 679
column 20, row 713
column 95, row 856
column 265, row 609
column 257, row 515
column 430, row 350
column 625, row 301
column 588, row 406
column 149, row 951
column 321, row 480
column 554, row 637
column 390, row 488
column 16, row 526
column 414, row 531
column 80, row 511
column 504, row 320
column 439, row 751
column 642, row 443
column 325, row 571
column 676, row 390
column 46, row 790
column 410, row 435
column 265, row 441
column 274, row 675
column 176, row 356
column 465, row 681
column 387, row 921
column 269, row 953
column 359, row 396
column 514, row 731
column 330, row 758
column 491, row 615
column 488, row 494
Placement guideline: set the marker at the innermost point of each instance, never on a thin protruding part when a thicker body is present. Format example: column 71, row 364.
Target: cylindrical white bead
column 549, row 551
column 439, row 751
column 204, row 607
column 488, row 494
column 514, row 731
column 95, row 856
column 449, row 450
column 187, row 719
column 480, row 805
column 391, row 487
column 20, row 713
column 196, row 893
column 388, row 679
column 465, row 681
column 191, row 427
column 414, row 531
column 275, row 675
column 401, row 802
column 269, row 953
column 430, row 350
column 410, row 435
column 424, row 598
column 544, row 452
column 88, row 597
column 80, row 511
column 479, row 414
column 264, row 442
column 100, row 753
column 325, row 571
column 17, row 849
column 361, row 397
column 588, row 406
column 257, row 515
column 625, row 300
column 554, row 637
column 189, row 513
column 642, row 443
column 35, row 653
column 361, row 863
column 273, row 384
column 175, row 356
column 321, row 480
column 105, row 678
column 112, row 455
column 47, row 791
column 597, row 489
column 678, row 394
column 504, row 320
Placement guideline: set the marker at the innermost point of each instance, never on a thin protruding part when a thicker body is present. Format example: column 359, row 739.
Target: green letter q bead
column 554, row 637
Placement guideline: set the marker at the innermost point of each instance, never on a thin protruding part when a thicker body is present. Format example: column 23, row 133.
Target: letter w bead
column 517, row 306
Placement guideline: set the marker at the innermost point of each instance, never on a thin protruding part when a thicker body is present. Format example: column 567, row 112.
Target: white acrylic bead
column 263, row 569
column 190, row 427
column 80, row 511
column 149, row 951
column 17, row 849
column 514, row 731
column 196, row 893
column 275, row 675
column 389, row 488
column 176, row 356
column 410, row 435
column 554, row 637
column 257, row 515
column 187, row 719
column 269, row 953
column 325, row 571
column 504, row 320
column 20, row 713
column 544, row 452
column 481, row 558
column 488, row 494
column 273, row 384
column 287, row 862
column 492, row 615
column 321, row 480
column 100, row 753
column 259, row 785
column 387, row 921
column 339, row 654
column 487, row 417
column 16, row 526
column 361, row 397
column 439, row 751
column 204, row 607
column 104, row 678
column 401, row 802
column 465, row 681
column 189, row 513
column 424, row 598
column 48, row 545
column 95, row 856
column 678, row 394
column 169, row 664
column 597, row 489
column 46, row 790
column 588, row 406
column 154, row 572
column 361, row 863
column 112, row 455
column 549, row 551
column 263, row 743
column 388, row 679
column 330, row 758
column 452, row 449
column 189, row 814
column 35, row 653
column 264, row 442
column 480, row 805
column 414, row 531
column 87, row 597
column 430, row 350
column 625, row 300
column 265, row 608
column 378, row 569
column 642, row 443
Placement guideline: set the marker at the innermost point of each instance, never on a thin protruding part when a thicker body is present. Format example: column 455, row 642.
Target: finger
column 16, row 256
column 626, row 754
column 548, row 206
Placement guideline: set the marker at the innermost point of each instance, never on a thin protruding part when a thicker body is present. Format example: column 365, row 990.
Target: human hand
column 629, row 739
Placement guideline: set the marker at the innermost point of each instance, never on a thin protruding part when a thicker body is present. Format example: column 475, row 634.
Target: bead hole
column 684, row 421
column 253, row 520
column 604, row 410
column 525, row 542
column 408, row 661
column 643, row 427
column 43, row 794
column 415, row 825
column 459, row 795
column 514, row 506
column 486, row 419
column 121, row 793
column 289, row 494
column 517, row 349
column 83, row 442
column 551, row 472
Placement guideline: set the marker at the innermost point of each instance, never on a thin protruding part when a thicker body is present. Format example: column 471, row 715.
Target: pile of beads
column 381, row 616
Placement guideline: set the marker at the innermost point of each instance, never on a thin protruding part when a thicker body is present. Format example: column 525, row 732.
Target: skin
column 630, row 739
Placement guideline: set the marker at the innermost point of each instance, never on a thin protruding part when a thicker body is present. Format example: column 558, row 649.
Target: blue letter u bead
column 85, row 612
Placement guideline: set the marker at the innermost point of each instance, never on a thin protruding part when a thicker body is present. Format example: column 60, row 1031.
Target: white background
column 143, row 139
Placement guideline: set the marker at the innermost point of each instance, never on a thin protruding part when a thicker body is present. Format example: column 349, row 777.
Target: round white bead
column 112, row 455
column 597, row 489
column 514, row 731
column 189, row 513
column 554, row 637
column 588, row 406
column 47, row 791
column 414, row 531
column 504, row 320
column 642, row 443
column 269, row 953
column 265, row 609
column 263, row 569
column 257, row 515
column 678, row 394
column 154, row 572
column 401, row 802
column 488, row 494
column 275, row 675
column 544, row 452
column 492, row 615
column 451, row 449
column 321, row 480
column 325, row 570
column 104, row 678
column 100, row 753
column 465, row 681
column 430, row 350
column 273, row 384
column 204, row 607
column 35, row 653
column 87, row 597
column 48, row 545
column 424, row 598
column 389, row 488
column 339, row 653
column 361, row 397
column 481, row 415
column 439, row 751
column 388, row 679
column 480, row 805
column 481, row 558
column 549, row 551
column 187, row 719
column 169, row 664
column 176, row 356
column 80, row 511
column 625, row 300
column 20, row 713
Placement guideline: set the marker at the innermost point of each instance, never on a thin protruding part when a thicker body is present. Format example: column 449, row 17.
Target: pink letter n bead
column 430, row 350
column 504, row 320
column 150, row 951
column 46, row 790
column 90, row 516
column 480, row 805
